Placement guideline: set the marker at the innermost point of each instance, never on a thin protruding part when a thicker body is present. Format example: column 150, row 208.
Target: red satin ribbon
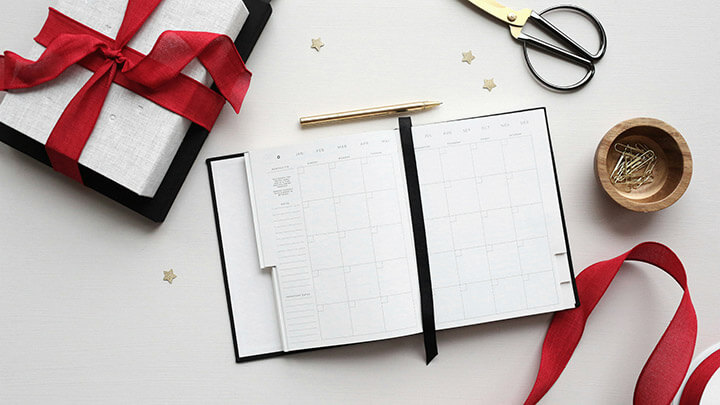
column 695, row 386
column 665, row 370
column 156, row 76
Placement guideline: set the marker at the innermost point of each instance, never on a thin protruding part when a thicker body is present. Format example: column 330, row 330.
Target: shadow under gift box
column 137, row 154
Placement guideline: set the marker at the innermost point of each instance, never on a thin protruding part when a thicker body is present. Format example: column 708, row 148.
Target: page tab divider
column 560, row 260
column 421, row 250
column 278, row 308
column 265, row 264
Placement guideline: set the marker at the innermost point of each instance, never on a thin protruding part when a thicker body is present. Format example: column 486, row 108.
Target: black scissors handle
column 575, row 54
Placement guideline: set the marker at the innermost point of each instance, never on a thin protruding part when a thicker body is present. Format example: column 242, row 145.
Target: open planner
column 373, row 236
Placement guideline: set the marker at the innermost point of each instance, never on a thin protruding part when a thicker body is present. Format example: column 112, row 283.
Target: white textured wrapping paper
column 135, row 140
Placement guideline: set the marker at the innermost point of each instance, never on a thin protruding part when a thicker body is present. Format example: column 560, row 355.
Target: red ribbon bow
column 664, row 372
column 156, row 76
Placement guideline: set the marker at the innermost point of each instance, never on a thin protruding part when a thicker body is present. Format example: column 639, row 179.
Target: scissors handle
column 576, row 53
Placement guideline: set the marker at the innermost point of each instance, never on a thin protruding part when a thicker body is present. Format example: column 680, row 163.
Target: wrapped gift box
column 139, row 153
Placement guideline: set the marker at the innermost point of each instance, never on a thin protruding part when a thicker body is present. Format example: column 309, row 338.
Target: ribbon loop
column 174, row 50
column 66, row 50
column 666, row 367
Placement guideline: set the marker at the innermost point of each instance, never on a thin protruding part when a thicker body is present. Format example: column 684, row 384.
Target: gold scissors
column 574, row 53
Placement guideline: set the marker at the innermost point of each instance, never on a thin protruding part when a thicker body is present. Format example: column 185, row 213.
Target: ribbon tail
column 567, row 327
column 64, row 51
column 227, row 68
column 657, row 382
column 698, row 380
column 72, row 131
column 664, row 372
column 561, row 339
column 666, row 367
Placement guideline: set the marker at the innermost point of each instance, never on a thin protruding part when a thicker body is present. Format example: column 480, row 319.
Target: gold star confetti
column 468, row 57
column 489, row 84
column 317, row 44
column 169, row 276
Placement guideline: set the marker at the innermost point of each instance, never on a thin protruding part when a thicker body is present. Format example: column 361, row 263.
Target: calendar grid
column 341, row 248
column 505, row 286
column 335, row 227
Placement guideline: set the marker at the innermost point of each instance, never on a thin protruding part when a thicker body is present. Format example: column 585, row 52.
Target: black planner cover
column 157, row 207
column 405, row 129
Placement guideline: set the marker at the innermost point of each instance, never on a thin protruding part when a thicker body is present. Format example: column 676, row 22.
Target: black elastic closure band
column 421, row 250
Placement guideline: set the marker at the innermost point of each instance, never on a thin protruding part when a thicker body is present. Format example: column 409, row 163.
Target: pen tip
column 433, row 103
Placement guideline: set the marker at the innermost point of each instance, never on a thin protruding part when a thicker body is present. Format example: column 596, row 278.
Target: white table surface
column 86, row 318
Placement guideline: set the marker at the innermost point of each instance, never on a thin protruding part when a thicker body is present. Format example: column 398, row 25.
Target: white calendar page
column 492, row 214
column 333, row 223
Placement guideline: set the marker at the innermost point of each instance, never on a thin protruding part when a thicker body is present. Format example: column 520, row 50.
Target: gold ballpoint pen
column 368, row 113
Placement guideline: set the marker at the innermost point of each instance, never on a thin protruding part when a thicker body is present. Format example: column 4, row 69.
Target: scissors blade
column 502, row 13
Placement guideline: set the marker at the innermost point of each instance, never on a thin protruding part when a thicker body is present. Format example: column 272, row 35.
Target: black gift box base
column 158, row 207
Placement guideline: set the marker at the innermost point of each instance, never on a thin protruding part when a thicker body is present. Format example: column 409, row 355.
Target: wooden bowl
column 672, row 172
